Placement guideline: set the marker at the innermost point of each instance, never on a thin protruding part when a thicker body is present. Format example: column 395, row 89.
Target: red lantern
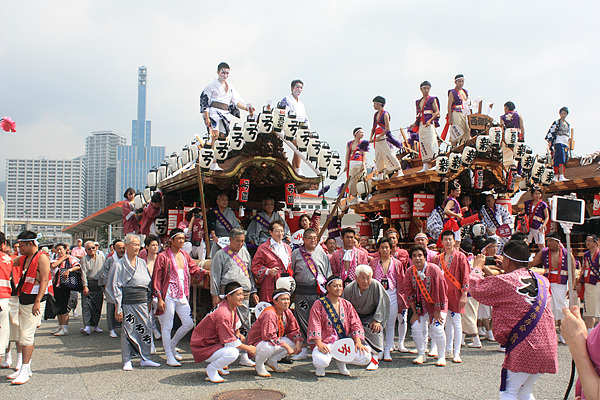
column 506, row 203
column 243, row 191
column 175, row 217
column 290, row 189
column 596, row 210
column 400, row 208
column 511, row 179
column 478, row 178
column 423, row 204
column 364, row 228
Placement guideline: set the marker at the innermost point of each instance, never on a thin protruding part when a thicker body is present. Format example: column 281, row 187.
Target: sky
column 69, row 68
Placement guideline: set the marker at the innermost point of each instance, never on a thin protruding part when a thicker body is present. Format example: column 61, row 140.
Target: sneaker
column 61, row 332
column 54, row 332
column 86, row 330
column 302, row 355
column 489, row 335
column 98, row 330
column 112, row 333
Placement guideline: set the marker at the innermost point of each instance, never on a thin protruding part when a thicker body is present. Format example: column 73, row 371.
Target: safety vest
column 5, row 270
column 29, row 284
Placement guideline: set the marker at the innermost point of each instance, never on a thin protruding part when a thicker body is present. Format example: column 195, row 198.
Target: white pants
column 223, row 357
column 485, row 312
column 419, row 334
column 453, row 333
column 558, row 300
column 28, row 323
column 354, row 169
column 322, row 361
column 385, row 159
column 428, row 142
column 537, row 236
column 391, row 323
column 13, row 312
column 460, row 121
column 266, row 352
column 519, row 385
column 182, row 308
column 4, row 324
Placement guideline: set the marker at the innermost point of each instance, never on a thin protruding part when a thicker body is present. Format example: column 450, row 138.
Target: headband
column 421, row 234
column 222, row 296
column 29, row 240
column 279, row 294
column 514, row 259
column 177, row 233
column 553, row 238
column 337, row 278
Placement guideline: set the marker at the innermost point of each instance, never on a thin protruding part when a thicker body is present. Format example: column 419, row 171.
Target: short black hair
column 127, row 191
column 459, row 76
column 309, row 230
column 232, row 286
column 356, row 130
column 379, row 99
column 295, row 82
column 519, row 236
column 593, row 236
column 447, row 233
column 2, row 238
column 151, row 238
column 517, row 250
column 278, row 221
column 510, row 105
column 348, row 230
column 553, row 235
column 116, row 241
column 425, row 83
column 383, row 240
column 63, row 245
column 565, row 109
column 27, row 235
column 417, row 247
column 277, row 291
column 328, row 239
column 222, row 65
column 175, row 231
column 156, row 198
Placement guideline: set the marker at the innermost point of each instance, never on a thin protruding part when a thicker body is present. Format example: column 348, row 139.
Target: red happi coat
column 213, row 332
column 337, row 263
column 436, row 287
column 395, row 276
column 320, row 327
column 264, row 259
column 266, row 328
column 460, row 269
column 536, row 354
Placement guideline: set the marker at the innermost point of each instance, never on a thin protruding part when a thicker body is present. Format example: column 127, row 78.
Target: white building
column 43, row 195
column 101, row 169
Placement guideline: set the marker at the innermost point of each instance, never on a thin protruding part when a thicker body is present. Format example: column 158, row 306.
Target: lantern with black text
column 185, row 155
column 482, row 143
column 324, row 157
column 537, row 172
column 278, row 118
column 290, row 127
column 454, row 162
column 468, row 155
column 194, row 151
column 520, row 151
column 237, row 138
column 335, row 166
column 221, row 149
column 152, row 178
column 511, row 135
column 250, row 130
column 527, row 162
column 548, row 177
column 290, row 189
column 314, row 145
column 303, row 137
column 511, row 179
column 478, row 178
column 206, row 157
column 443, row 165
column 265, row 121
column 244, row 190
column 495, row 134
column 161, row 225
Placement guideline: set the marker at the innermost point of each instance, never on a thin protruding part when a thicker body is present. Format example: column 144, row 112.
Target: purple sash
column 492, row 215
column 313, row 268
column 226, row 224
column 333, row 317
column 262, row 221
column 234, row 256
column 526, row 325
column 593, row 267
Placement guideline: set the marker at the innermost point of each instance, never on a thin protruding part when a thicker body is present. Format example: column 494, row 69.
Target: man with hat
column 428, row 115
column 385, row 160
column 554, row 260
column 589, row 277
column 333, row 318
column 458, row 110
column 171, row 277
column 522, row 318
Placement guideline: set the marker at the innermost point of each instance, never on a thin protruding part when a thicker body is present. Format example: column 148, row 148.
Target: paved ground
column 89, row 367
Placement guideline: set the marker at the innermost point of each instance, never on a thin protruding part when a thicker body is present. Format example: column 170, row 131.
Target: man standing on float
column 457, row 110
column 218, row 102
column 428, row 115
column 293, row 105
column 385, row 160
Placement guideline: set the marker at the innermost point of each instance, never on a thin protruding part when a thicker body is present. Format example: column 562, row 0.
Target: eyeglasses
column 90, row 248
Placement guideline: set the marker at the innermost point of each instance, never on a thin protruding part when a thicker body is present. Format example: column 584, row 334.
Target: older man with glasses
column 92, row 294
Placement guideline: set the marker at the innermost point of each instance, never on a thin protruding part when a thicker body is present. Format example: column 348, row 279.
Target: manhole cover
column 249, row 394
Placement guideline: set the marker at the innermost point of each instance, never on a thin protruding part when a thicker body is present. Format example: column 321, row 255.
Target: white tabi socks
column 302, row 355
column 245, row 360
column 23, row 375
column 341, row 367
column 7, row 360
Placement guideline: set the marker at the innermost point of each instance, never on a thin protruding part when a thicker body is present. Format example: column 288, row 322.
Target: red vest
column 5, row 270
column 31, row 274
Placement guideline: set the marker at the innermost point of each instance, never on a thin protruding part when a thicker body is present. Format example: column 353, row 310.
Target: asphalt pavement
column 78, row 366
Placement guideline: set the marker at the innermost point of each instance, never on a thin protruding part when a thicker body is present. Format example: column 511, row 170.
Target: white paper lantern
column 265, row 121
column 237, row 139
column 548, row 177
column 478, row 230
column 152, row 178
column 147, row 194
column 442, row 165
column 290, row 127
column 185, row 155
column 173, row 163
column 221, row 149
column 303, row 139
column 314, row 146
column 483, row 143
column 138, row 200
column 207, row 156
column 162, row 171
column 454, row 162
column 527, row 162
column 250, row 130
column 194, row 151
column 286, row 282
column 278, row 118
column 468, row 155
column 495, row 134
column 335, row 166
column 511, row 135
column 520, row 151
column 537, row 172
column 324, row 157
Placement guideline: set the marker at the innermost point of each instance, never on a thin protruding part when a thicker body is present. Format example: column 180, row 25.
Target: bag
column 435, row 222
column 51, row 307
column 73, row 281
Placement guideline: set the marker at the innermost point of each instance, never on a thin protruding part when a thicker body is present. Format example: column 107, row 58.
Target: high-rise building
column 101, row 169
column 136, row 160
column 44, row 195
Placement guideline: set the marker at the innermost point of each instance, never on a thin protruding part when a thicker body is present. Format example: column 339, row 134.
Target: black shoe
column 286, row 360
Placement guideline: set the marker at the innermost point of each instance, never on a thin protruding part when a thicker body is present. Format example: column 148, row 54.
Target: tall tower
column 136, row 160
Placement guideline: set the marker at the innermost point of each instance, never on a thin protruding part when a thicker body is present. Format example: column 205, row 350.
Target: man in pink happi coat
column 512, row 296
column 345, row 260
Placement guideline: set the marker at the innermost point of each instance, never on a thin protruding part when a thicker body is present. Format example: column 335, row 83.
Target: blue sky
column 70, row 67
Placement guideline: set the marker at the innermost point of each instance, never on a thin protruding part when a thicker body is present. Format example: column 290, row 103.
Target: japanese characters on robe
column 373, row 304
column 220, row 103
column 459, row 267
column 215, row 331
column 435, row 284
column 266, row 328
column 558, row 137
column 459, row 113
column 148, row 216
column 320, row 327
column 130, row 287
column 224, row 270
column 307, row 291
column 493, row 219
column 344, row 263
column 266, row 257
column 395, row 279
column 164, row 273
column 511, row 296
column 258, row 230
column 535, row 213
column 130, row 218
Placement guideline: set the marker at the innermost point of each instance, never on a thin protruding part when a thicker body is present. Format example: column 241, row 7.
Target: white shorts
column 536, row 236
column 485, row 312
column 592, row 301
column 558, row 300
column 28, row 323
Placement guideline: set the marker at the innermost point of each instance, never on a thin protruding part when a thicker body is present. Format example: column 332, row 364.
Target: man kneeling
column 217, row 338
column 334, row 319
column 275, row 334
